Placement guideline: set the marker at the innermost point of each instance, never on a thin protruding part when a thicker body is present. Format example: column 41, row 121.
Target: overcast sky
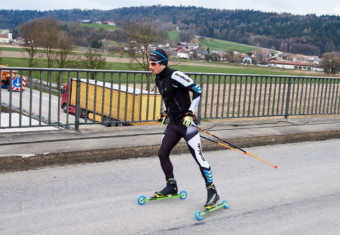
column 319, row 7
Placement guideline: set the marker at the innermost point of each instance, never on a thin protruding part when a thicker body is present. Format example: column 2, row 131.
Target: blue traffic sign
column 16, row 82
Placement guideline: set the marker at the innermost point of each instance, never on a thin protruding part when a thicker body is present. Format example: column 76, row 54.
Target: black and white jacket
column 174, row 87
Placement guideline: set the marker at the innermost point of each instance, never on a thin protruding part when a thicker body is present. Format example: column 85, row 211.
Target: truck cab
column 65, row 103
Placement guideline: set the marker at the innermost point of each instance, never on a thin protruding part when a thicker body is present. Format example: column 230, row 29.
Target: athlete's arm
column 180, row 79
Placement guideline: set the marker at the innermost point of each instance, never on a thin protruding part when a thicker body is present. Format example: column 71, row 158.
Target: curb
column 37, row 161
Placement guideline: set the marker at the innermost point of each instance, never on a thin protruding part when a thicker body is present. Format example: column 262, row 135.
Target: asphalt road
column 302, row 196
column 44, row 99
column 40, row 104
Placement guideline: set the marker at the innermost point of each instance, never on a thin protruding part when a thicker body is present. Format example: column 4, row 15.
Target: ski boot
column 170, row 189
column 212, row 197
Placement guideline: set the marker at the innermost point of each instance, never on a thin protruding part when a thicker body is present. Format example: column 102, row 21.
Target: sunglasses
column 154, row 63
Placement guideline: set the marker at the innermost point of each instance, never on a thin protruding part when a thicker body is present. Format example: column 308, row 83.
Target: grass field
column 221, row 45
column 41, row 63
column 174, row 36
column 204, row 67
column 11, row 49
column 216, row 44
column 232, row 70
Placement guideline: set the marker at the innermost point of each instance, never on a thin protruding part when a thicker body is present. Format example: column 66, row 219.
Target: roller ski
column 170, row 191
column 211, row 204
column 199, row 215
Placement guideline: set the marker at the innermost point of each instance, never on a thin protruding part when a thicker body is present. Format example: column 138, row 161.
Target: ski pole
column 232, row 147
column 243, row 151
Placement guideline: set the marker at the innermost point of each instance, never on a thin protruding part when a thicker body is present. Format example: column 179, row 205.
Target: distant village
column 263, row 57
column 193, row 51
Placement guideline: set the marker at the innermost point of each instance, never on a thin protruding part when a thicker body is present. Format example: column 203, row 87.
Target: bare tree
column 331, row 62
column 44, row 33
column 30, row 33
column 64, row 50
column 231, row 56
column 94, row 60
column 49, row 35
column 186, row 35
column 141, row 35
column 63, row 54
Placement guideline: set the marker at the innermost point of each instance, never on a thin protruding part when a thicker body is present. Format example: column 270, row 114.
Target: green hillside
column 174, row 36
column 215, row 44
column 222, row 45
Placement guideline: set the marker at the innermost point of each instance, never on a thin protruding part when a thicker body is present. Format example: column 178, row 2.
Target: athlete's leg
column 169, row 141
column 195, row 146
column 194, row 143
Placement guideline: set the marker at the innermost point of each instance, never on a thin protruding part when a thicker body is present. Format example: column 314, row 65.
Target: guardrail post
column 76, row 126
column 288, row 97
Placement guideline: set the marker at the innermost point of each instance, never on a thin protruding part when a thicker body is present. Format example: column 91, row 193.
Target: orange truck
column 16, row 80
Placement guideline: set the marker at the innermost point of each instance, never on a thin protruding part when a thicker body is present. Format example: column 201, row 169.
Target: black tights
column 172, row 135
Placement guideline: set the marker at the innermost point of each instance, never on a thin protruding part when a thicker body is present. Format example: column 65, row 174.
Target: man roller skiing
column 174, row 87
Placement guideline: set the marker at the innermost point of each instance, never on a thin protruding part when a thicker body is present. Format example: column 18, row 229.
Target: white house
column 6, row 38
column 183, row 55
column 247, row 60
column 86, row 21
column 285, row 64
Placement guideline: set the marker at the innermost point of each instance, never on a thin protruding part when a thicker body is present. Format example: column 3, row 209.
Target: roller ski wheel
column 142, row 199
column 199, row 215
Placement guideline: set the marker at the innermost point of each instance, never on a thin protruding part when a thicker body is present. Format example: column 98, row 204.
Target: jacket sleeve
column 180, row 79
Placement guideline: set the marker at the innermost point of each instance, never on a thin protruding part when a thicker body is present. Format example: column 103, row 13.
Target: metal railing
column 244, row 96
column 69, row 98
